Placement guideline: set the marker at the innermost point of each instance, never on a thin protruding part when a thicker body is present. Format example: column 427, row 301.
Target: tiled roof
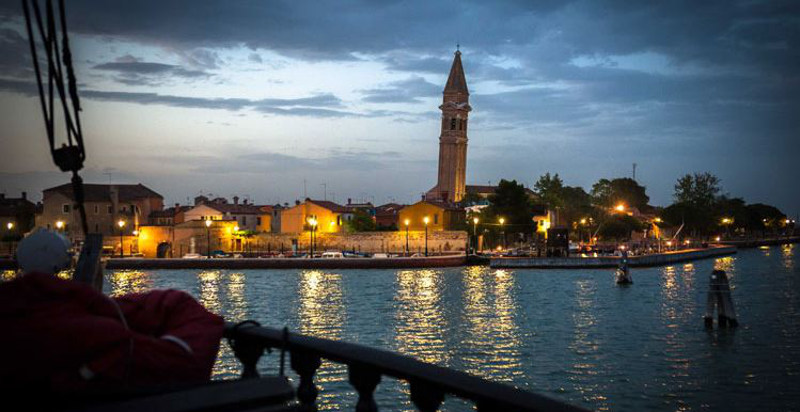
column 333, row 207
column 102, row 193
column 240, row 209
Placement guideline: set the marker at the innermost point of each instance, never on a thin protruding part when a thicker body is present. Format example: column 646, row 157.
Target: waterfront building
column 387, row 216
column 329, row 217
column 455, row 108
column 105, row 204
column 17, row 215
column 440, row 215
column 248, row 217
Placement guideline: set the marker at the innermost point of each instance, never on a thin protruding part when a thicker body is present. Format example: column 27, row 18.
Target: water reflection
column 129, row 281
column 321, row 313
column 787, row 253
column 586, row 345
column 237, row 303
column 492, row 340
column 208, row 282
column 7, row 275
column 419, row 325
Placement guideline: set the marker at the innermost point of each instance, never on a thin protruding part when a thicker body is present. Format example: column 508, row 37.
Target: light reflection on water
column 568, row 334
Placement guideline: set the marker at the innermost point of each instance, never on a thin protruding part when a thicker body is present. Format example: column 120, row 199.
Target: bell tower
column 451, row 185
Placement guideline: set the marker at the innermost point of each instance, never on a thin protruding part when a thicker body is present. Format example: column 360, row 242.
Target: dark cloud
column 136, row 73
column 404, row 91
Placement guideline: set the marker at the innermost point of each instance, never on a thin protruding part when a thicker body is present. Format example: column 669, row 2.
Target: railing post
column 248, row 352
column 426, row 398
column 364, row 380
column 306, row 365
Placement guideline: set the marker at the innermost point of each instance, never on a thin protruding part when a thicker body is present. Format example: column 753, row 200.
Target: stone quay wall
column 369, row 242
column 657, row 259
column 289, row 263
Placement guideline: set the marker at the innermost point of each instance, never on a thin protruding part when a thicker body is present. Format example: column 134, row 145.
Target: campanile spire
column 451, row 186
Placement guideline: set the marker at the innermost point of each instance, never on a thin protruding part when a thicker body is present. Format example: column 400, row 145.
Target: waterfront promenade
column 656, row 259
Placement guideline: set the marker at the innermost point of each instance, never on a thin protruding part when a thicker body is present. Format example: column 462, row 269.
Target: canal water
column 568, row 334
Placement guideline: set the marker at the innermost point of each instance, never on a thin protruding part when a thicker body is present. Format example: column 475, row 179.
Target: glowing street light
column 620, row 208
column 475, row 221
column 583, row 221
column 426, row 220
column 208, row 223
column 313, row 223
column 121, row 224
column 60, row 224
column 10, row 225
column 407, row 222
column 502, row 221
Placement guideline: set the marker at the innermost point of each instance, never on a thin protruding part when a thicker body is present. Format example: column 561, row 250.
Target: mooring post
column 719, row 295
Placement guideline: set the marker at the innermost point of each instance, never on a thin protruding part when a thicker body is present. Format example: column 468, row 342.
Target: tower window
column 453, row 124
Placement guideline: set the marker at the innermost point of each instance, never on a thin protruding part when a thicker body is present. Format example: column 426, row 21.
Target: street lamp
column 208, row 238
column 426, row 220
column 60, row 225
column 407, row 222
column 502, row 230
column 121, row 224
column 10, row 225
column 475, row 235
column 620, row 208
column 313, row 223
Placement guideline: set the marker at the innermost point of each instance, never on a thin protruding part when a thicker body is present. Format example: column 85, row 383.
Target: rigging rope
column 71, row 155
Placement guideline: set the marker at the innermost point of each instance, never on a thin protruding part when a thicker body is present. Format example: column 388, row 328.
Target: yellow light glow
column 502, row 220
column 657, row 220
column 312, row 222
column 669, row 243
column 620, row 207
column 60, row 224
column 788, row 221
column 726, row 220
column 583, row 221
column 499, row 248
column 475, row 220
column 236, row 228
column 10, row 225
column 686, row 242
column 426, row 219
column 136, row 233
column 121, row 223
column 407, row 222
column 208, row 223
column 717, row 238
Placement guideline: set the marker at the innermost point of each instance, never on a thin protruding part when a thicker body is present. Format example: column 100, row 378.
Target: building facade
column 329, row 216
column 440, row 216
column 455, row 108
column 105, row 205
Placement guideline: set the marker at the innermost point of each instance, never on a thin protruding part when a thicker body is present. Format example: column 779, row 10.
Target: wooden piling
column 719, row 298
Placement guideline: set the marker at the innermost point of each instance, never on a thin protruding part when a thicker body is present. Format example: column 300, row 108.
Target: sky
column 275, row 101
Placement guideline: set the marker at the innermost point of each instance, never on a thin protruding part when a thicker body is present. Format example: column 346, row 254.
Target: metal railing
column 428, row 383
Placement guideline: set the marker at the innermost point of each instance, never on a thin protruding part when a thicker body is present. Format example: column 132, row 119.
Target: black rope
column 71, row 155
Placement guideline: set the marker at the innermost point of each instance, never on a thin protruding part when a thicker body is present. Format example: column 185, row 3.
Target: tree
column 619, row 227
column 510, row 201
column 625, row 190
column 549, row 189
column 699, row 189
column 361, row 222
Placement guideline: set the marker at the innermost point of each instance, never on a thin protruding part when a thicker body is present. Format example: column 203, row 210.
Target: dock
column 578, row 262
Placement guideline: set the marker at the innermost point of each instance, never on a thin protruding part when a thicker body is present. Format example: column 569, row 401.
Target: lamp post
column 407, row 222
column 10, row 227
column 426, row 220
column 60, row 225
column 235, row 236
column 313, row 223
column 503, row 231
column 726, row 221
column 208, row 238
column 121, row 224
column 475, row 221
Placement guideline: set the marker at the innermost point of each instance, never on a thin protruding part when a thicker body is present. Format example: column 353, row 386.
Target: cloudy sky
column 262, row 99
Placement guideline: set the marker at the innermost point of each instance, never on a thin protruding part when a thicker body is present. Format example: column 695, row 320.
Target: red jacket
column 68, row 337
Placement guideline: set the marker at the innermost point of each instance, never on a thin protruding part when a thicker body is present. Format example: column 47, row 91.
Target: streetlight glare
column 502, row 220
column 208, row 223
column 407, row 222
column 620, row 208
column 121, row 223
column 236, row 228
column 426, row 220
column 583, row 221
column 10, row 225
column 475, row 220
column 60, row 224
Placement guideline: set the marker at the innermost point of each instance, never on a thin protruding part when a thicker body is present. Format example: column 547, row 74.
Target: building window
column 96, row 209
column 258, row 220
column 110, row 209
column 244, row 220
column 96, row 225
column 453, row 124
column 65, row 208
column 435, row 218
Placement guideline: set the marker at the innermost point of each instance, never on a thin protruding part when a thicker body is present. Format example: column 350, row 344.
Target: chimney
column 349, row 201
column 296, row 202
column 24, row 195
column 236, row 200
